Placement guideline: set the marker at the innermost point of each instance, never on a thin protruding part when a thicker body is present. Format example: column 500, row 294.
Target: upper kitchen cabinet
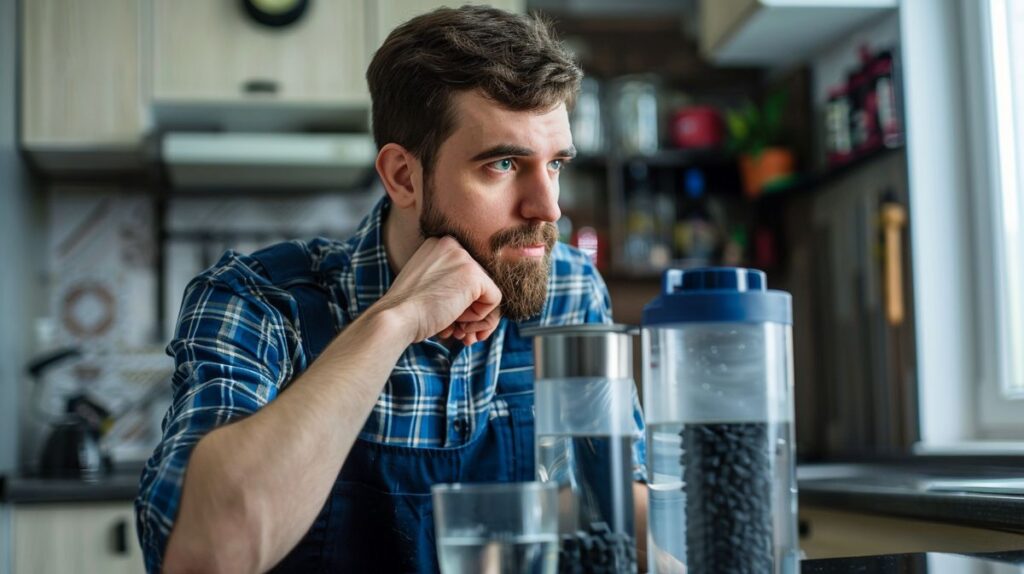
column 776, row 33
column 82, row 94
column 215, row 54
column 388, row 14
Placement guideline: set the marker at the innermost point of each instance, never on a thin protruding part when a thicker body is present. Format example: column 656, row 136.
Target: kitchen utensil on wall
column 893, row 220
column 718, row 383
column 585, row 432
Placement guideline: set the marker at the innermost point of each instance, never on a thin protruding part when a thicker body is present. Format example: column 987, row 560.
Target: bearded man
column 322, row 387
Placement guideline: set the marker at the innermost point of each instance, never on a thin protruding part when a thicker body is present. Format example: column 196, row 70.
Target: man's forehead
column 480, row 124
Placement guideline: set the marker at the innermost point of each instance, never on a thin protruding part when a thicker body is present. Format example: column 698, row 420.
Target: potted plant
column 755, row 136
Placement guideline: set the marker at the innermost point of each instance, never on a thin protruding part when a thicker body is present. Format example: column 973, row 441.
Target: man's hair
column 514, row 60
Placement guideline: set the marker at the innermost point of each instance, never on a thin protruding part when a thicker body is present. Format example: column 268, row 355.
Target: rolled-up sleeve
column 230, row 361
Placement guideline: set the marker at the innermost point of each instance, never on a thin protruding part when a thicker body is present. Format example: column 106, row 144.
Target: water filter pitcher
column 718, row 402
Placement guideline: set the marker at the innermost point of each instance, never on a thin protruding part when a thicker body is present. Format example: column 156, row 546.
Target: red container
column 697, row 127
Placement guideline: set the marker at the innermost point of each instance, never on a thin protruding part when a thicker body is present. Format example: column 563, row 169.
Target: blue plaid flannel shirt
column 237, row 346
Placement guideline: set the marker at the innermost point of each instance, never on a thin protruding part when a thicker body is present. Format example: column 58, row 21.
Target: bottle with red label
column 886, row 109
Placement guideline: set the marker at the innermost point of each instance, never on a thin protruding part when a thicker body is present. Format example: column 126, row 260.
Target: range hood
column 272, row 161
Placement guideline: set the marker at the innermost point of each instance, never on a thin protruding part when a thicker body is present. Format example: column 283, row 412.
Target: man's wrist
column 395, row 320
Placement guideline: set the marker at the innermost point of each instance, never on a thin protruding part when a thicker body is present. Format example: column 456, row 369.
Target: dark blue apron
column 378, row 517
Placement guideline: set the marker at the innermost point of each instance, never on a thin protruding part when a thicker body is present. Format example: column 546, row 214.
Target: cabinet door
column 721, row 18
column 81, row 538
column 81, row 79
column 211, row 51
column 390, row 13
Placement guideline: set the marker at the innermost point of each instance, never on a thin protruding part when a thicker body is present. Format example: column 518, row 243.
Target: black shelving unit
column 615, row 167
column 808, row 184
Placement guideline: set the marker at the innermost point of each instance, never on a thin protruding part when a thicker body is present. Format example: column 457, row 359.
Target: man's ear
column 400, row 172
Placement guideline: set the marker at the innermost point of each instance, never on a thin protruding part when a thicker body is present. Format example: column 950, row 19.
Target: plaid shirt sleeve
column 230, row 354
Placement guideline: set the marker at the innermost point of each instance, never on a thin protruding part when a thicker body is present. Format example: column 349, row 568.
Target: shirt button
column 460, row 426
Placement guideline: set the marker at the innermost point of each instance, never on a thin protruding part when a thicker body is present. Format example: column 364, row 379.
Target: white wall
column 938, row 159
column 18, row 224
column 930, row 44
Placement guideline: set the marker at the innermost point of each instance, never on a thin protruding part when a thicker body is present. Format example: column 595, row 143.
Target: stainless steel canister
column 585, row 430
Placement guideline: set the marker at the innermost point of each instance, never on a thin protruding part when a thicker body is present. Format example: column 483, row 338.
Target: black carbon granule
column 597, row 550
column 727, row 478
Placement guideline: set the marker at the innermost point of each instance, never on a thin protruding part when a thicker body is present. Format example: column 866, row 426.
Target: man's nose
column 540, row 198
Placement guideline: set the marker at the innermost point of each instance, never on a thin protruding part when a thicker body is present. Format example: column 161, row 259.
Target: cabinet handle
column 260, row 86
column 120, row 536
column 894, row 219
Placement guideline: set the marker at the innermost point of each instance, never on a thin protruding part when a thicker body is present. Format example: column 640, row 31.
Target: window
column 964, row 86
column 1007, row 20
column 998, row 202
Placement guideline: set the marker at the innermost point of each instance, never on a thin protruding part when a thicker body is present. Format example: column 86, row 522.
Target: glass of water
column 497, row 528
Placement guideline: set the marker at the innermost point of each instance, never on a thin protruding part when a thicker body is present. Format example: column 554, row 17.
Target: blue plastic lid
column 717, row 295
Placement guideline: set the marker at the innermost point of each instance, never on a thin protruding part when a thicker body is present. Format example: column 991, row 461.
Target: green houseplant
column 755, row 136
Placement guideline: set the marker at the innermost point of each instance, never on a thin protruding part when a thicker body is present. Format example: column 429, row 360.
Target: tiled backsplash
column 200, row 230
column 102, row 278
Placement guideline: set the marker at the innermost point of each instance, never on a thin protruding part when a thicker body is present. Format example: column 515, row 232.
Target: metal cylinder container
column 585, row 431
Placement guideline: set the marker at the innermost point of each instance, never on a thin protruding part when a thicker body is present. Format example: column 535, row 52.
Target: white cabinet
column 96, row 74
column 81, row 76
column 777, row 33
column 211, row 51
column 75, row 538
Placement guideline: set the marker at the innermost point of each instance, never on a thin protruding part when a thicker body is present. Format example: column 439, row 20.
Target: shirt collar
column 371, row 271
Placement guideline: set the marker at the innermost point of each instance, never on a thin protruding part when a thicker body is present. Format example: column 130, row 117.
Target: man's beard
column 523, row 282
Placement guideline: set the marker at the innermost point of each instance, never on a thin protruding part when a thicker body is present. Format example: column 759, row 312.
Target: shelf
column 642, row 273
column 668, row 158
column 807, row 184
column 626, row 275
column 777, row 33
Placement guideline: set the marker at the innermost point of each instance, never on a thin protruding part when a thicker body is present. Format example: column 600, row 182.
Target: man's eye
column 556, row 164
column 502, row 164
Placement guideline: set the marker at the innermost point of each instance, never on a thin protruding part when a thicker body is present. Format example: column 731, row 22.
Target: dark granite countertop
column 911, row 490
column 955, row 491
column 117, row 487
column 966, row 492
column 930, row 563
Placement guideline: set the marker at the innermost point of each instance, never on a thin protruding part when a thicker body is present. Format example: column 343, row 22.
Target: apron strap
column 289, row 266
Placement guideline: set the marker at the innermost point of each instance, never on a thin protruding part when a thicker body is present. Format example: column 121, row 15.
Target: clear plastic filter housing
column 584, row 393
column 718, row 402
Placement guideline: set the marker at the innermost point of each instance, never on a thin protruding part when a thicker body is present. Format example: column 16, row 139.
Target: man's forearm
column 252, row 488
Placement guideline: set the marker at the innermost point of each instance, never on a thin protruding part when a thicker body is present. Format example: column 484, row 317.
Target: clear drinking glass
column 497, row 528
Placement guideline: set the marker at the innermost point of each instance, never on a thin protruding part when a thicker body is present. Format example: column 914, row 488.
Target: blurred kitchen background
column 862, row 152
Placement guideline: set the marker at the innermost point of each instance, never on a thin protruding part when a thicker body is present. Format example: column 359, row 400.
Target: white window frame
column 995, row 195
column 952, row 136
